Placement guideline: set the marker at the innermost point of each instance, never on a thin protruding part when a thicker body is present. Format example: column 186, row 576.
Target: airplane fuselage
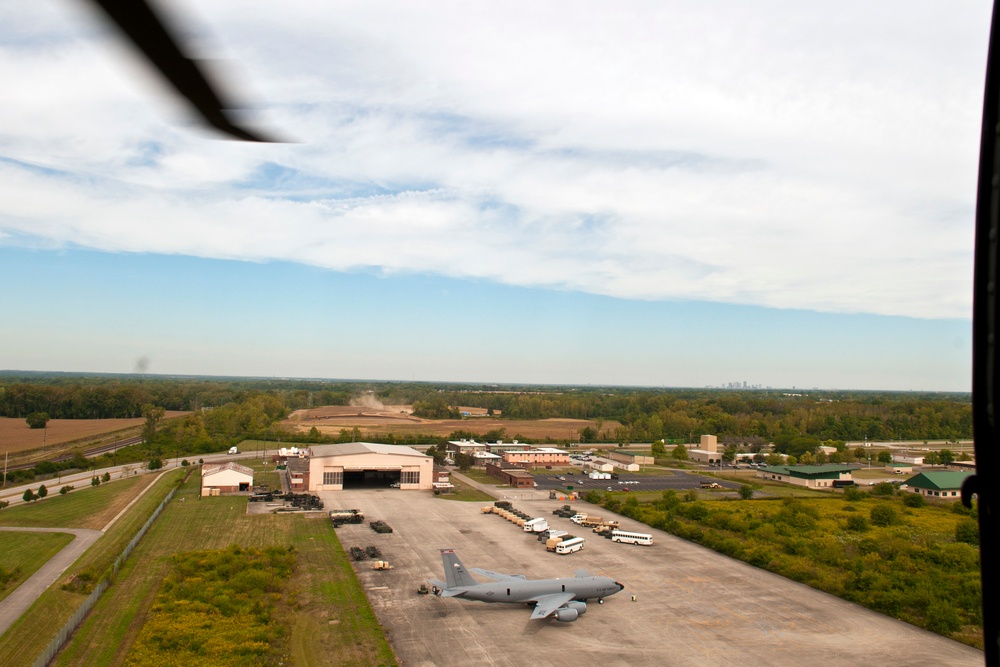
column 522, row 590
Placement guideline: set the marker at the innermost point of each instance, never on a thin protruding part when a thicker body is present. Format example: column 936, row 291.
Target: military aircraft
column 565, row 599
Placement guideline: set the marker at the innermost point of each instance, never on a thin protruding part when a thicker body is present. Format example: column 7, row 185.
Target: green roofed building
column 815, row 477
column 938, row 484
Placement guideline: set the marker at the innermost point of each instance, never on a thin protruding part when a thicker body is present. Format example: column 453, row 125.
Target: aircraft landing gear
column 600, row 600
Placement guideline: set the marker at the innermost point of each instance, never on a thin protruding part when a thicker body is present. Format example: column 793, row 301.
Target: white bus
column 631, row 538
column 569, row 546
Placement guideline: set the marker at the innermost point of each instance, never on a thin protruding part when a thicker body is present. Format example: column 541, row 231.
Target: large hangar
column 360, row 465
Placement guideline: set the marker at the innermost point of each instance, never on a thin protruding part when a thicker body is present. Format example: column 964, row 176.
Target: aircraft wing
column 549, row 603
column 496, row 576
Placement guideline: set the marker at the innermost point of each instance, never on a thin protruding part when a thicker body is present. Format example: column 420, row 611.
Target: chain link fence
column 77, row 618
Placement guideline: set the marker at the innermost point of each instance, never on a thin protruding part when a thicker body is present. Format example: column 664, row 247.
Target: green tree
column 95, row 481
column 153, row 415
column 932, row 458
column 37, row 419
column 947, row 457
column 42, row 492
column 729, row 454
column 154, row 463
column 106, row 477
column 28, row 496
column 746, row 492
column 857, row 523
column 66, row 489
column 885, row 456
column 658, row 448
column 913, row 500
column 588, row 434
column 463, row 461
column 775, row 460
column 680, row 453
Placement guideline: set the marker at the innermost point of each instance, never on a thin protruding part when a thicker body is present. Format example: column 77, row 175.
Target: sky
column 668, row 193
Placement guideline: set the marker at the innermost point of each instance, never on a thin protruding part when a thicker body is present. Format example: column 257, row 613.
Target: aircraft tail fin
column 455, row 573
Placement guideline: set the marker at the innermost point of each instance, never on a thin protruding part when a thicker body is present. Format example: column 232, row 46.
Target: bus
column 569, row 546
column 631, row 538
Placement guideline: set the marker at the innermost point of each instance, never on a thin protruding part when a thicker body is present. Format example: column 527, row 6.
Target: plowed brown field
column 16, row 436
column 397, row 419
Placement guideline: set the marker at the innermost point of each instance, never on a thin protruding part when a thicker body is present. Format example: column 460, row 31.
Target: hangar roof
column 212, row 468
column 351, row 448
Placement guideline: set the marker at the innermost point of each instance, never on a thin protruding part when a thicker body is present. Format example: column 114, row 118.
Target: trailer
column 536, row 525
column 591, row 521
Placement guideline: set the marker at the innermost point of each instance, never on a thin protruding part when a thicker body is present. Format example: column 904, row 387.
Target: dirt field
column 16, row 436
column 398, row 419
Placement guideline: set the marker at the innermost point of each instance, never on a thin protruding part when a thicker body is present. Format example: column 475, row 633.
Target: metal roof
column 353, row 448
column 939, row 480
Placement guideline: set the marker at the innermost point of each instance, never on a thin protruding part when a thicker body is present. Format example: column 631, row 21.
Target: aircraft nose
column 620, row 585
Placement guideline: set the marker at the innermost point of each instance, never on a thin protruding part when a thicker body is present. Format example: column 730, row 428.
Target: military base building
column 814, row 477
column 368, row 465
column 938, row 483
column 220, row 478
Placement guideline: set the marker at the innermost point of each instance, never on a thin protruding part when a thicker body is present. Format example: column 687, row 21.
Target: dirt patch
column 397, row 420
column 17, row 436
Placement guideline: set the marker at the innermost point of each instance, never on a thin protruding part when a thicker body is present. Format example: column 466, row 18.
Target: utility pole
column 6, row 456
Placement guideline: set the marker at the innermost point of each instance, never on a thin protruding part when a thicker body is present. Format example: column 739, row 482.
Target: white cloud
column 817, row 156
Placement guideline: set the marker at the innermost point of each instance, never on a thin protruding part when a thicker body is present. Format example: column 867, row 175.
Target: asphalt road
column 693, row 607
column 679, row 481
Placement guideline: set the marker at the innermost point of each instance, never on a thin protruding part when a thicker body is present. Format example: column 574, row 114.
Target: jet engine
column 566, row 614
column 579, row 605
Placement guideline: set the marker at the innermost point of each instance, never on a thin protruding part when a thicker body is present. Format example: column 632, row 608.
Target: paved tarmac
column 12, row 606
column 693, row 607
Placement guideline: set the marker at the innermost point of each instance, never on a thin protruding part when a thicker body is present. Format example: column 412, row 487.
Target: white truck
column 536, row 525
column 234, row 450
column 577, row 518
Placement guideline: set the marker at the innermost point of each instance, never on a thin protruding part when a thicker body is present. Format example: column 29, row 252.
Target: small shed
column 219, row 478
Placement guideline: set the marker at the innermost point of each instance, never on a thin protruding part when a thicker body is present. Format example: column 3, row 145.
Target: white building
column 368, row 465
column 219, row 478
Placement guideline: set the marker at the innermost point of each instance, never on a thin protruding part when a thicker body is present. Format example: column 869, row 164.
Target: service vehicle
column 629, row 537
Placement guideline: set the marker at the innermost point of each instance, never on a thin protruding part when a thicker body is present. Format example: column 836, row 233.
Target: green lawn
column 26, row 639
column 467, row 494
column 23, row 553
column 326, row 617
column 480, row 476
column 84, row 507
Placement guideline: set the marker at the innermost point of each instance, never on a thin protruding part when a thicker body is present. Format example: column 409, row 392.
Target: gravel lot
column 693, row 607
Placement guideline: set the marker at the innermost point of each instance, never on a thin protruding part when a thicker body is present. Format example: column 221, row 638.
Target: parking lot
column 692, row 607
column 679, row 481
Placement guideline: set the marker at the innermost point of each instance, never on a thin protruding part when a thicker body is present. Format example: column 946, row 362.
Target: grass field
column 84, row 507
column 467, row 494
column 24, row 553
column 26, row 639
column 329, row 620
column 481, row 477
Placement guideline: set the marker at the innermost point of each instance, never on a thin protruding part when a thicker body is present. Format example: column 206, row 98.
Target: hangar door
column 371, row 478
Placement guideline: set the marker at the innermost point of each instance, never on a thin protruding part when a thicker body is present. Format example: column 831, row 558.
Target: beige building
column 219, row 478
column 368, row 465
column 629, row 457
column 707, row 451
column 538, row 456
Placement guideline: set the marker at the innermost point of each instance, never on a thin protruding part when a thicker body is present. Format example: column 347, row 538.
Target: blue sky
column 654, row 193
